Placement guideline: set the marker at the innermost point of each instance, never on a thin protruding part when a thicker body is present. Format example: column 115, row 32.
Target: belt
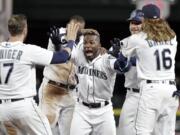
column 133, row 90
column 162, row 81
column 10, row 100
column 66, row 86
column 95, row 105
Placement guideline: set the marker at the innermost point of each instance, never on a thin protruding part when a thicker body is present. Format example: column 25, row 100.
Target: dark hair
column 16, row 24
column 78, row 18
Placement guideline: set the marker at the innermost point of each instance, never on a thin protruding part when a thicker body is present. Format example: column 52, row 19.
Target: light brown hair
column 157, row 30
column 92, row 32
column 77, row 18
column 16, row 24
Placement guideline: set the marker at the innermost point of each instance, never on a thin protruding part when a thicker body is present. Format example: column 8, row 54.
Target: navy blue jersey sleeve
column 62, row 56
column 133, row 61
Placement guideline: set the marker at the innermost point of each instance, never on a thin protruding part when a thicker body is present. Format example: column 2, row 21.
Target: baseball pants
column 25, row 116
column 93, row 121
column 58, row 105
column 128, row 114
column 156, row 107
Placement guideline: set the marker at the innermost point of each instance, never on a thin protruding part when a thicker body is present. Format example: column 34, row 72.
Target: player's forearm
column 63, row 55
column 69, row 46
column 133, row 61
column 122, row 64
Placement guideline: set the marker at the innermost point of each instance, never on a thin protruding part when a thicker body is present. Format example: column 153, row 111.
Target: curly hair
column 157, row 30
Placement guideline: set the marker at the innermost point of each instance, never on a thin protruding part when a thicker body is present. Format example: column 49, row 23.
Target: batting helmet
column 136, row 15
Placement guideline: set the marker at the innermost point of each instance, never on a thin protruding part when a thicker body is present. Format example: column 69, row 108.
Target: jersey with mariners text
column 96, row 77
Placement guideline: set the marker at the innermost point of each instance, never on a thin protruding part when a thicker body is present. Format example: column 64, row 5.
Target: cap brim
column 134, row 19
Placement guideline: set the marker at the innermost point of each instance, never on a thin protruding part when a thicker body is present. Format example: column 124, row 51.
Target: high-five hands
column 115, row 46
column 55, row 36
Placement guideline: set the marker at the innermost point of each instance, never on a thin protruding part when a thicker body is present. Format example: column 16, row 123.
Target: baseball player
column 155, row 48
column 57, row 90
column 17, row 82
column 129, row 109
column 93, row 113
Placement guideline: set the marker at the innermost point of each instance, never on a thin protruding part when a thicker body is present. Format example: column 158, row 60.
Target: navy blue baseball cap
column 151, row 11
column 136, row 15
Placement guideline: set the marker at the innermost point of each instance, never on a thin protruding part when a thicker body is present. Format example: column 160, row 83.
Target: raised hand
column 102, row 50
column 72, row 29
column 115, row 46
column 55, row 36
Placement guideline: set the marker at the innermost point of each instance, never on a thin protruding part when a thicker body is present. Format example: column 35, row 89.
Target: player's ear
column 25, row 32
column 98, row 40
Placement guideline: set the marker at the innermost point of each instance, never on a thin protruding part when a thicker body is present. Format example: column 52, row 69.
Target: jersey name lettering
column 10, row 54
column 154, row 43
column 92, row 72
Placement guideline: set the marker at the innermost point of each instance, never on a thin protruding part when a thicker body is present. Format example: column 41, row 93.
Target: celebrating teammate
column 129, row 109
column 17, row 82
column 155, row 48
column 59, row 82
column 93, row 112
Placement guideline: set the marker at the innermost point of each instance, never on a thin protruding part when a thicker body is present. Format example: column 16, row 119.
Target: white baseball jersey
column 65, row 72
column 131, row 80
column 96, row 77
column 17, row 68
column 155, row 60
column 60, row 106
column 130, row 105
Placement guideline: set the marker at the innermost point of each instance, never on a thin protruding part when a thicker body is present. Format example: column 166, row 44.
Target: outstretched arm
column 63, row 55
column 116, row 45
column 122, row 64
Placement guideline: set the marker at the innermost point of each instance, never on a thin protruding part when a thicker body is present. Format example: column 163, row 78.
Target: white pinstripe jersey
column 155, row 60
column 96, row 78
column 17, row 68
